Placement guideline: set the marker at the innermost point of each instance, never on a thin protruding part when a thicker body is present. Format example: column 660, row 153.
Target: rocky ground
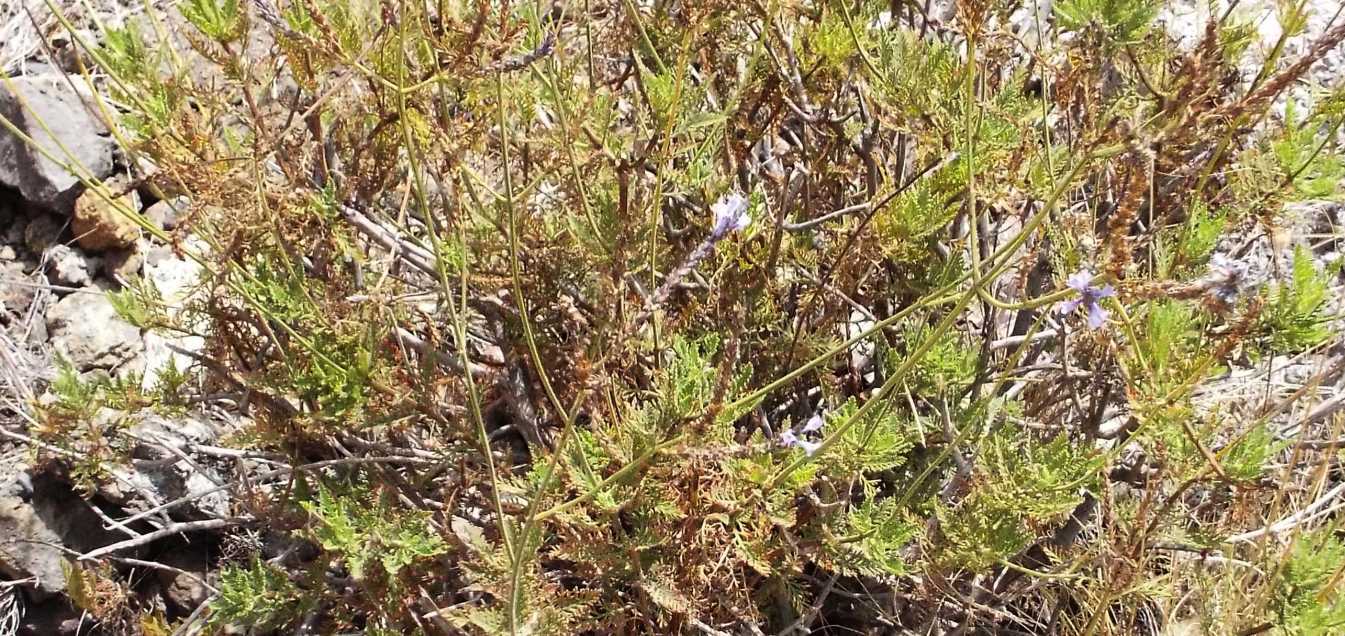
column 63, row 246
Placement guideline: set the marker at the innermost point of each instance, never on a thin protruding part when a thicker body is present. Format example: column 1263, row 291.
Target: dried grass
column 23, row 23
column 11, row 609
column 27, row 27
column 23, row 373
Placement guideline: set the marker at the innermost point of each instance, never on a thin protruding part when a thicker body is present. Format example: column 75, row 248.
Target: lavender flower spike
column 1227, row 278
column 1089, row 297
column 809, row 447
column 730, row 215
column 791, row 439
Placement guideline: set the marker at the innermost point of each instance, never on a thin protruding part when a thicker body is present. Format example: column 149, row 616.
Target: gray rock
column 179, row 432
column 16, row 294
column 73, row 125
column 14, row 233
column 199, row 484
column 1322, row 220
column 167, row 212
column 144, row 484
column 176, row 279
column 8, row 253
column 123, row 265
column 70, row 266
column 37, row 334
column 184, row 591
column 131, row 490
column 85, row 329
column 41, row 232
column 38, row 514
column 132, row 368
column 156, row 471
column 15, row 480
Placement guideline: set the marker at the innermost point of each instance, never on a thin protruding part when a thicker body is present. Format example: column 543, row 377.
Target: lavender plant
column 712, row 317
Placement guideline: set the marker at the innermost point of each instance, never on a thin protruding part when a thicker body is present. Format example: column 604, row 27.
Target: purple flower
column 1089, row 298
column 1226, row 278
column 791, row 439
column 730, row 215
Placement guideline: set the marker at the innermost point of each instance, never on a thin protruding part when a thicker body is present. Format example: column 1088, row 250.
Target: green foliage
column 875, row 533
column 1295, row 318
column 75, row 396
column 876, row 442
column 330, row 365
column 529, row 335
column 1203, row 228
column 135, row 66
column 82, row 420
column 169, row 390
column 543, row 609
column 1247, row 457
column 945, row 368
column 1121, row 22
column 917, row 215
column 360, row 533
column 587, row 460
column 687, row 385
column 1313, row 174
column 668, row 94
column 1185, row 249
column 1170, row 347
column 220, row 20
column 1020, row 485
column 1308, row 588
column 925, row 76
column 140, row 304
column 126, row 54
column 257, row 595
column 831, row 41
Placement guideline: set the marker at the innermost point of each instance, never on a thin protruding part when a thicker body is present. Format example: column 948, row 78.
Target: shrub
column 747, row 316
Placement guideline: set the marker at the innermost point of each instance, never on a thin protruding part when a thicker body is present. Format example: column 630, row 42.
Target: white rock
column 1185, row 21
column 70, row 266
column 167, row 213
column 861, row 353
column 1032, row 23
column 176, row 279
column 85, row 329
